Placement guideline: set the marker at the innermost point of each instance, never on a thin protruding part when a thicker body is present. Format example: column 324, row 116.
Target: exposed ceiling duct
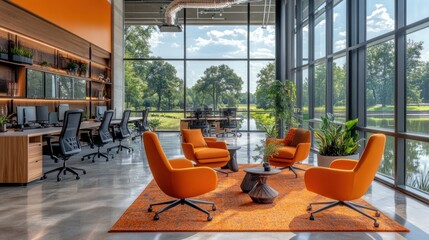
column 175, row 6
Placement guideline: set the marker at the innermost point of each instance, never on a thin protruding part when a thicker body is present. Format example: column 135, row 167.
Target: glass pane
column 339, row 28
column 320, row 37
column 66, row 87
column 34, row 84
column 417, row 10
column 305, row 44
column 262, row 41
column 380, row 92
column 79, row 89
column 305, row 100
column 417, row 164
column 339, row 89
column 51, row 86
column 304, row 9
column 216, row 41
column 387, row 164
column 216, row 84
column 380, row 17
column 319, row 90
column 418, row 82
column 259, row 119
column 154, row 84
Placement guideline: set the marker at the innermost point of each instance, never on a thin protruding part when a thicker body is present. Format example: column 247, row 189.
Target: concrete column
column 118, row 85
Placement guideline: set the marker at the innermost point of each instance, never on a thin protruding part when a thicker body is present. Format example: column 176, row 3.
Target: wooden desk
column 184, row 122
column 21, row 152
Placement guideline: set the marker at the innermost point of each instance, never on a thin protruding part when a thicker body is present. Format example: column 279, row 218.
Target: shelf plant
column 335, row 140
column 72, row 67
column 3, row 53
column 21, row 55
column 3, row 122
column 83, row 69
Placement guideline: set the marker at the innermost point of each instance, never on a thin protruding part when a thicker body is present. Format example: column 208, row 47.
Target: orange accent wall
column 88, row 19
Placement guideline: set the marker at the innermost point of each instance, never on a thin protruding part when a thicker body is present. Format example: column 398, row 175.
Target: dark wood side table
column 232, row 164
column 261, row 191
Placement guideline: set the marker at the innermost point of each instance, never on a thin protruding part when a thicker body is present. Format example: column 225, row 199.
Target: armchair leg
column 351, row 205
column 218, row 170
column 189, row 202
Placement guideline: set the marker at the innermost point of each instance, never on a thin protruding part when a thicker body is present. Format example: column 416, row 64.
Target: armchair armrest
column 344, row 164
column 190, row 182
column 181, row 163
column 302, row 151
column 332, row 183
column 188, row 150
column 221, row 145
column 210, row 139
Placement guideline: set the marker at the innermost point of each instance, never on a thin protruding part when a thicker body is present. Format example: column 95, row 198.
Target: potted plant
column 83, row 69
column 72, row 67
column 154, row 124
column 3, row 53
column 267, row 148
column 44, row 64
column 21, row 55
column 3, row 122
column 336, row 140
column 283, row 98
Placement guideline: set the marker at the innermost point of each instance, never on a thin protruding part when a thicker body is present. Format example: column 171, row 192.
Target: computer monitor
column 42, row 114
column 99, row 111
column 26, row 114
column 62, row 108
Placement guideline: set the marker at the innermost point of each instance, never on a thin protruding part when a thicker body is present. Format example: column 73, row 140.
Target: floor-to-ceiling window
column 372, row 65
column 222, row 58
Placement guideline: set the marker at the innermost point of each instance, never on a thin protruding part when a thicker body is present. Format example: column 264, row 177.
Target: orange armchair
column 296, row 148
column 178, row 178
column 204, row 151
column 347, row 180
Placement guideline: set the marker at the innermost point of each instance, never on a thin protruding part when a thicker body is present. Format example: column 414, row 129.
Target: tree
column 163, row 84
column 221, row 85
column 137, row 41
column 265, row 78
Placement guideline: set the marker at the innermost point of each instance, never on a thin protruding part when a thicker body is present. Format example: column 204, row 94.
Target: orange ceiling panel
column 88, row 19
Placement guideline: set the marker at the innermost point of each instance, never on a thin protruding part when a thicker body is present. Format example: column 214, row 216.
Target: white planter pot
column 325, row 161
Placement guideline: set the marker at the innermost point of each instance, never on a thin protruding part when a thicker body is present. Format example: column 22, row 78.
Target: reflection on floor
column 87, row 208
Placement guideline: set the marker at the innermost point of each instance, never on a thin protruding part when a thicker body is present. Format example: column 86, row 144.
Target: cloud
column 155, row 39
column 175, row 45
column 340, row 44
column 265, row 37
column 379, row 20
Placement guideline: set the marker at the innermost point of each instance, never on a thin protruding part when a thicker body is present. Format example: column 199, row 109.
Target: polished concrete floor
column 87, row 208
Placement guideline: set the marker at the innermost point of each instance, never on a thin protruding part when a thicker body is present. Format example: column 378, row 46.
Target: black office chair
column 200, row 122
column 102, row 138
column 68, row 144
column 230, row 124
column 141, row 126
column 122, row 132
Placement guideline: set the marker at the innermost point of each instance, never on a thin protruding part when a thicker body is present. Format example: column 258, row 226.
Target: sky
column 223, row 41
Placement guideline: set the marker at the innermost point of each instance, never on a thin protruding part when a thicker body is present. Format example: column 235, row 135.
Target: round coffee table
column 232, row 163
column 261, row 192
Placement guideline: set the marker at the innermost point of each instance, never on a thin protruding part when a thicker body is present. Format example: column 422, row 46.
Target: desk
column 184, row 122
column 21, row 152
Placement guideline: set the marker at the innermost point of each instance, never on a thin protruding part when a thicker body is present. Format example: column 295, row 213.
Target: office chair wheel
column 149, row 209
column 376, row 224
column 377, row 214
column 84, row 172
column 156, row 217
column 58, row 179
column 309, row 208
column 209, row 218
column 214, row 208
column 311, row 217
column 43, row 177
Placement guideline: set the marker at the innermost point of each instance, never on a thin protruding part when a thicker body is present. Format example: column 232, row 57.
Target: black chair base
column 221, row 171
column 64, row 169
column 351, row 205
column 120, row 147
column 292, row 168
column 190, row 202
column 97, row 154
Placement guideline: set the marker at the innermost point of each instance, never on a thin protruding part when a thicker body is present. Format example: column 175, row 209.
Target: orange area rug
column 237, row 213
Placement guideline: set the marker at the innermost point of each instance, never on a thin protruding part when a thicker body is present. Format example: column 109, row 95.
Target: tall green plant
column 283, row 96
column 334, row 139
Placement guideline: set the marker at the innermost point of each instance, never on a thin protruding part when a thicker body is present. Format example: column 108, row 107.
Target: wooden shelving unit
column 52, row 62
